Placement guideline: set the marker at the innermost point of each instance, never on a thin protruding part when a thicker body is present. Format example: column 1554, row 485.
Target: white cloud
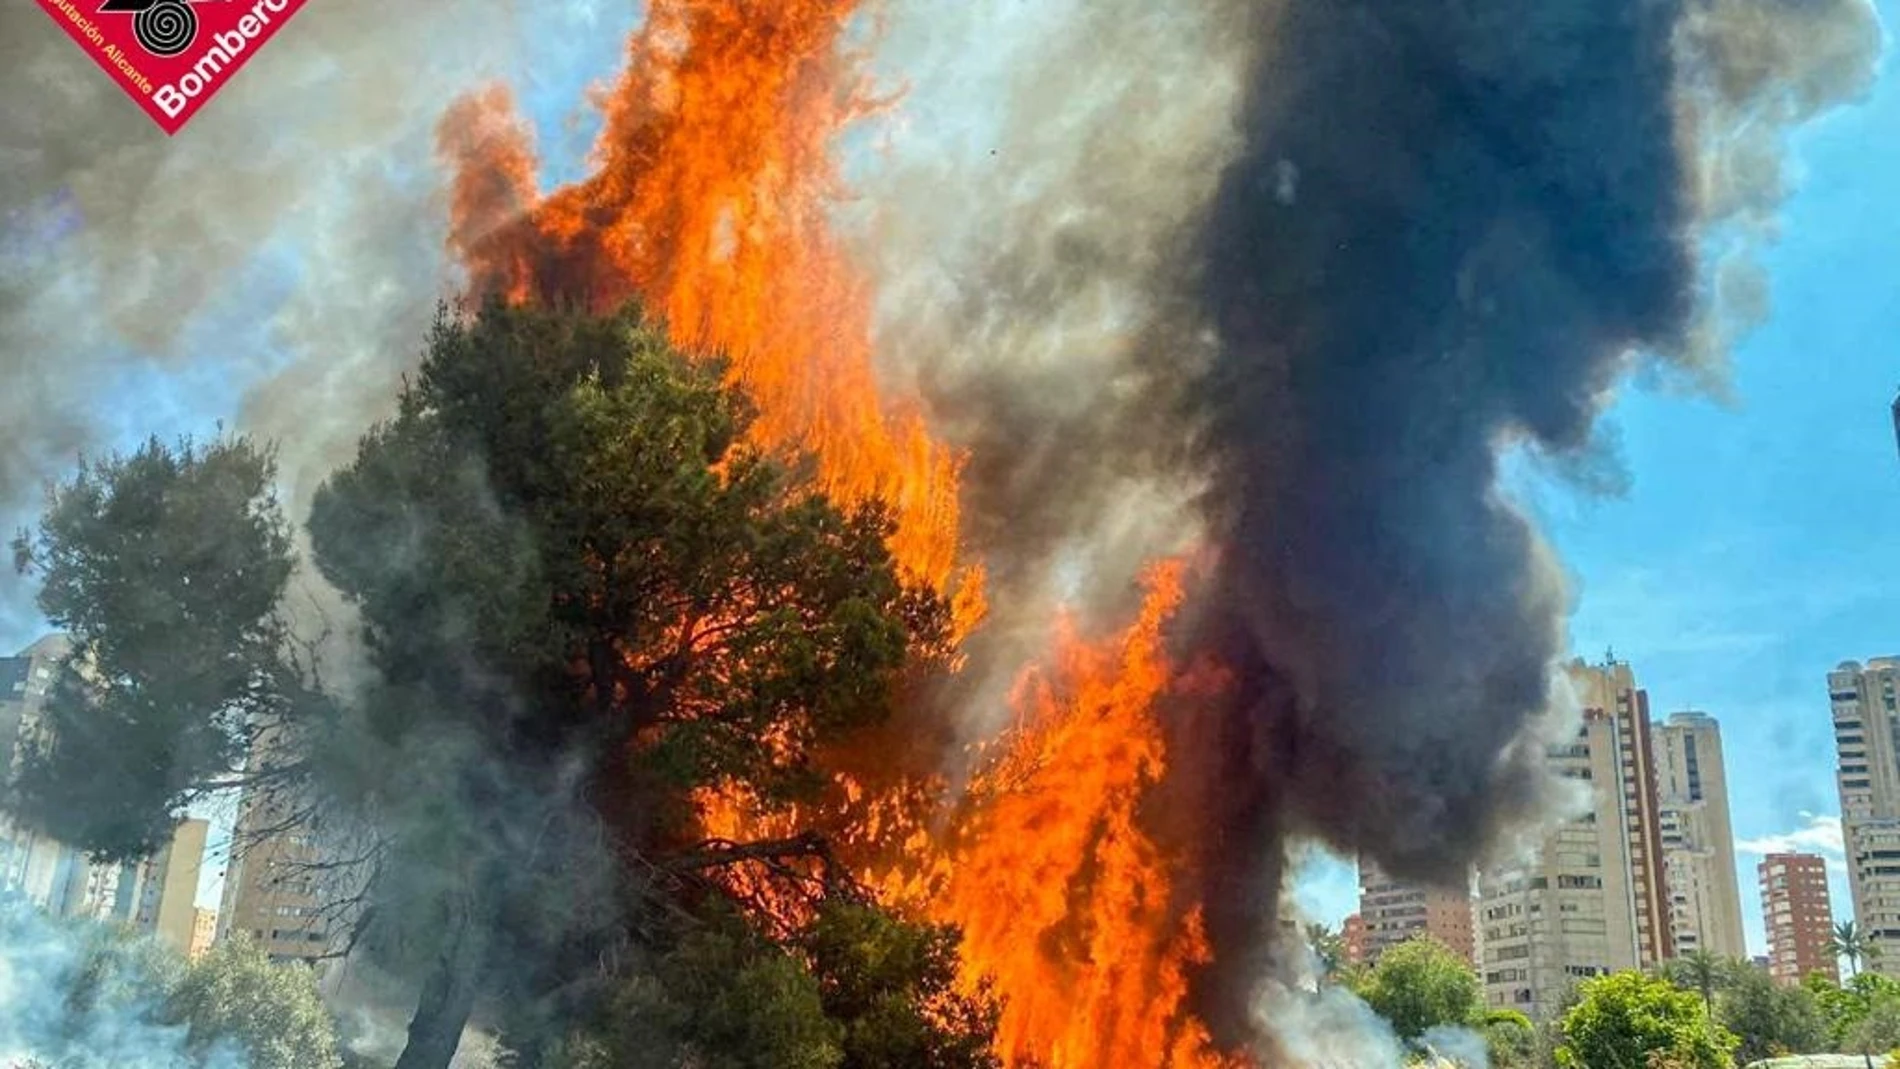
column 1820, row 834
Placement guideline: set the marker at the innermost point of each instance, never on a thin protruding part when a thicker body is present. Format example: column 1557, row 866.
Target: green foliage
column 1846, row 1010
column 166, row 566
column 1630, row 1019
column 891, row 985
column 1701, row 972
column 721, row 998
column 236, row 995
column 1770, row 1020
column 569, row 502
column 563, row 548
column 856, row 989
column 1877, row 1030
column 1510, row 1039
column 1419, row 985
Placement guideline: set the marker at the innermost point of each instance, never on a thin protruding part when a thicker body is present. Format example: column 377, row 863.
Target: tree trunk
column 448, row 995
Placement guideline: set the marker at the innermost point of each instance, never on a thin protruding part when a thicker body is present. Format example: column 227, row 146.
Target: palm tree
column 1851, row 943
column 1703, row 971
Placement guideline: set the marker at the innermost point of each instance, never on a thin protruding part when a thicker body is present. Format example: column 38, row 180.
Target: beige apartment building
column 43, row 870
column 272, row 892
column 1798, row 916
column 1863, row 702
column 1609, row 689
column 1698, row 843
column 1394, row 911
column 1567, row 913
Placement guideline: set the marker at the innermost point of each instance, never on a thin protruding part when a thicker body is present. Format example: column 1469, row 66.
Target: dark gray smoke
column 1452, row 229
column 1453, row 225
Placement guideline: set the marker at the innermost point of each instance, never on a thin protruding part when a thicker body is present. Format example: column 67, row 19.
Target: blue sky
column 1754, row 548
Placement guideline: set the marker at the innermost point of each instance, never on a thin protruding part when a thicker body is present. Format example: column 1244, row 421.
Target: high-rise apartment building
column 1705, row 900
column 1610, row 690
column 1798, row 917
column 1866, row 720
column 272, row 888
column 1394, row 911
column 1567, row 913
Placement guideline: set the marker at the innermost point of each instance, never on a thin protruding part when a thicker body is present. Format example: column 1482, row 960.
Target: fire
column 1063, row 897
column 1067, row 903
column 711, row 202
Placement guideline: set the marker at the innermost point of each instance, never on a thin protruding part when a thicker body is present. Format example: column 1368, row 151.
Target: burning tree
column 582, row 598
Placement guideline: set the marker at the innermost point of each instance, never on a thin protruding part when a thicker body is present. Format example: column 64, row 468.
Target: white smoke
column 1754, row 71
column 1035, row 180
column 1330, row 1028
column 1452, row 1046
column 76, row 997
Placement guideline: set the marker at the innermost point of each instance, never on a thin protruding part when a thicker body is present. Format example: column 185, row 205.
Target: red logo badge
column 171, row 56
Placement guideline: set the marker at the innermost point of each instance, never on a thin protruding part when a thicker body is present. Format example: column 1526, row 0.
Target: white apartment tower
column 1705, row 899
column 1568, row 913
column 1863, row 699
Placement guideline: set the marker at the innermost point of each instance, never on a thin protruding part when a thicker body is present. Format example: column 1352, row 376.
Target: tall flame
column 1065, row 900
column 711, row 201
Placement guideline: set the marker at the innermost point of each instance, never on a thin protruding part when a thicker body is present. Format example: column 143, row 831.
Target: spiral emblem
column 166, row 28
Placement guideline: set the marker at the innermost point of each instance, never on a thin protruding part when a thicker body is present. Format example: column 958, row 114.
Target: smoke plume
column 1348, row 258
column 73, row 996
column 1451, row 230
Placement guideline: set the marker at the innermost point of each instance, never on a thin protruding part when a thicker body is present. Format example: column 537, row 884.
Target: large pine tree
column 581, row 597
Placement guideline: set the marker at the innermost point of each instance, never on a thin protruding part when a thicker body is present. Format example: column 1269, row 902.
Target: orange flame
column 1067, row 904
column 1064, row 899
column 711, row 201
